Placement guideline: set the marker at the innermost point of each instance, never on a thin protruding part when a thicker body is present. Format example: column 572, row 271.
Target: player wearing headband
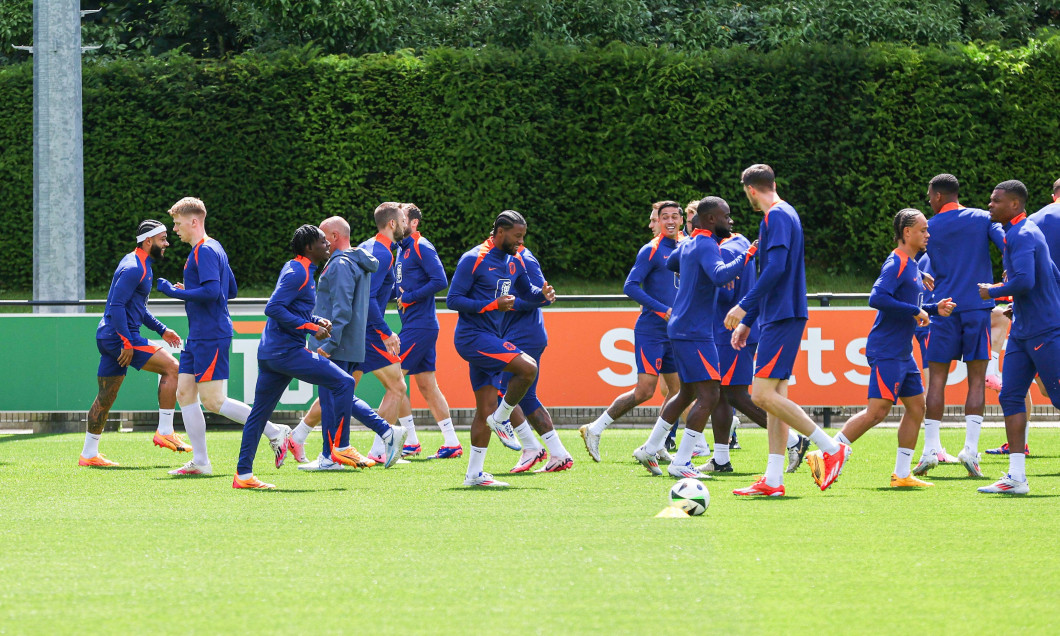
column 121, row 345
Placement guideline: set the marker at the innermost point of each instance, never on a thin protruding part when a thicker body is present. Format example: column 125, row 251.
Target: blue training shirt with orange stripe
column 290, row 310
column 484, row 274
column 898, row 296
column 651, row 284
column 419, row 273
column 960, row 254
column 526, row 327
column 736, row 246
column 382, row 288
column 702, row 271
column 780, row 291
column 126, row 307
column 207, row 262
column 1033, row 280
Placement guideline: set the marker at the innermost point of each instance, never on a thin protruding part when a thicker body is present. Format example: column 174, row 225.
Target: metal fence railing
column 824, row 299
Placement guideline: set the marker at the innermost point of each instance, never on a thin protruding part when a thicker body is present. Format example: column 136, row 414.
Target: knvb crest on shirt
column 504, row 286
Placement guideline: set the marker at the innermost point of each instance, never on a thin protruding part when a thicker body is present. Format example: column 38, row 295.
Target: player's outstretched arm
column 208, row 292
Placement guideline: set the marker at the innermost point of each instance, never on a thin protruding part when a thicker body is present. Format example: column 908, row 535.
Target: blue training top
column 960, row 254
column 1033, row 280
column 780, row 291
column 290, row 310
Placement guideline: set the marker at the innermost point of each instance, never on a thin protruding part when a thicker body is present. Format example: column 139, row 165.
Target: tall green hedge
column 581, row 141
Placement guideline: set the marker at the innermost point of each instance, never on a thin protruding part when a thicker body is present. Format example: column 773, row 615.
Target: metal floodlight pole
column 58, row 155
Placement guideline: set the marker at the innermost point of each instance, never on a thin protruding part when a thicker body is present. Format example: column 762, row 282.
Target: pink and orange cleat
column 760, row 488
column 172, row 441
column 99, row 461
column 251, row 482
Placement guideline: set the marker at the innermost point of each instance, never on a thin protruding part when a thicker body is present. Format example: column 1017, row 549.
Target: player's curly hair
column 906, row 217
column 303, row 238
column 507, row 219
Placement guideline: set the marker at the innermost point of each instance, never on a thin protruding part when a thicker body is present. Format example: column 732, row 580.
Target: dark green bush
column 581, row 141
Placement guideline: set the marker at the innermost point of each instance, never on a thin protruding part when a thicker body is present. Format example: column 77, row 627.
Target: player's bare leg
column 427, row 383
column 395, row 406
column 999, row 326
column 97, row 419
column 771, row 394
column 702, row 398
column 643, row 391
column 938, row 374
column 165, row 365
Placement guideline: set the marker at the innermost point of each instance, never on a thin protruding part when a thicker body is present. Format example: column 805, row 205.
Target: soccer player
column 525, row 328
column 121, row 345
column 654, row 286
column 419, row 276
column 737, row 366
column 282, row 355
column 481, row 292
column 960, row 258
column 342, row 298
column 382, row 346
column 1034, row 343
column 691, row 332
column 778, row 300
column 897, row 296
column 208, row 286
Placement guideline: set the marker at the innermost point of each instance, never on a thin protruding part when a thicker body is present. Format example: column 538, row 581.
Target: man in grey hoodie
column 342, row 297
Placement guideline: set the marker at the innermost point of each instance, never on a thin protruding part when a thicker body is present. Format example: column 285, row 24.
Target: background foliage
column 216, row 28
column 580, row 140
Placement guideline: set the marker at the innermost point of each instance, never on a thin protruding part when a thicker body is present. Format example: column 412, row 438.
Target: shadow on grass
column 902, row 489
column 4, row 438
column 1031, row 495
column 169, row 477
column 763, row 498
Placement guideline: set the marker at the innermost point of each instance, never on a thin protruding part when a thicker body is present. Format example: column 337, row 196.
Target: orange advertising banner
column 589, row 360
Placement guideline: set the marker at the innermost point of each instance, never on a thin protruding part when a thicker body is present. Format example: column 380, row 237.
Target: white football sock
column 973, row 424
column 1017, row 466
column 825, row 443
column 721, row 454
column 503, row 412
column 410, row 425
column 301, row 432
column 793, row 437
column 775, row 470
column 378, row 446
column 841, row 439
column 448, row 432
column 932, row 441
column 526, row 437
column 992, row 366
column 600, row 424
column 658, row 436
column 902, row 461
column 475, row 461
column 554, row 445
column 165, row 421
column 735, row 424
column 91, row 448
column 245, row 476
column 195, row 427
column 688, row 444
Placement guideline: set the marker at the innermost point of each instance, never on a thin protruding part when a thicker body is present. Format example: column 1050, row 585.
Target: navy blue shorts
column 778, row 347
column 697, row 360
column 737, row 367
column 111, row 348
column 922, row 335
column 1024, row 359
column 375, row 355
column 206, row 359
column 960, row 336
column 419, row 350
column 654, row 352
column 487, row 355
column 893, row 379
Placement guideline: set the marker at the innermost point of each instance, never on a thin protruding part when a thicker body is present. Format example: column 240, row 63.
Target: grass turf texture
column 410, row 550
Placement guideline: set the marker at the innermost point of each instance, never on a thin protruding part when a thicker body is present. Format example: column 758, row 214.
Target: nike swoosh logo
column 492, row 268
column 1039, row 346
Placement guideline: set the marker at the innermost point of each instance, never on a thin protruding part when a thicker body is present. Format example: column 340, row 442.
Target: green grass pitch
column 409, row 550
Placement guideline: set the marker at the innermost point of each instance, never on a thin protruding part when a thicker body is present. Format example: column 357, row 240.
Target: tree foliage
column 580, row 140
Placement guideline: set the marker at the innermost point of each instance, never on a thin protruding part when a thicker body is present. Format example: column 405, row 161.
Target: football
column 690, row 495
